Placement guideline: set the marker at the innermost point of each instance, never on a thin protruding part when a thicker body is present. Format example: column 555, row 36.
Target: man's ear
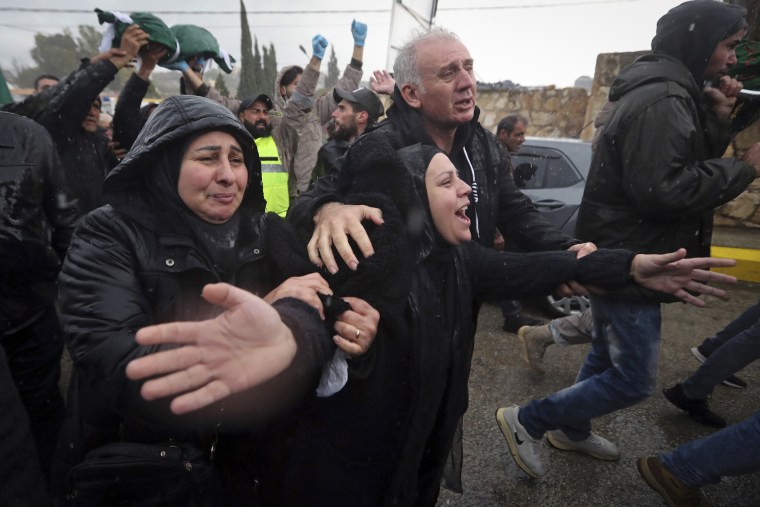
column 362, row 117
column 411, row 95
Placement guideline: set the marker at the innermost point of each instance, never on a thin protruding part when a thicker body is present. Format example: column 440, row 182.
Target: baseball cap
column 363, row 96
column 261, row 97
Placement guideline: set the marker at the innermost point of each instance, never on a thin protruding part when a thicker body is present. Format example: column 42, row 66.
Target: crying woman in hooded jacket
column 185, row 210
column 383, row 439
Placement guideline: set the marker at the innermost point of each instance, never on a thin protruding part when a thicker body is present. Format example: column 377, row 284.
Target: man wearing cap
column 272, row 142
column 356, row 111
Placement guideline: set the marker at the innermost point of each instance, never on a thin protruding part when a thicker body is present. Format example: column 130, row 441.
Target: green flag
column 5, row 93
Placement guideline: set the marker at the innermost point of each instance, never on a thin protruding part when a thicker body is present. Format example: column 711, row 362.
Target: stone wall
column 550, row 111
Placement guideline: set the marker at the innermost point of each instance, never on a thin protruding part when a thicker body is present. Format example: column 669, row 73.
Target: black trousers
column 34, row 360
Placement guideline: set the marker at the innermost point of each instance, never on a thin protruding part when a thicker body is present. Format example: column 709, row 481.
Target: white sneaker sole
column 563, row 446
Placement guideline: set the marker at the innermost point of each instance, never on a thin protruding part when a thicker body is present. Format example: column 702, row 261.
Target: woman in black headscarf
column 384, row 438
column 186, row 209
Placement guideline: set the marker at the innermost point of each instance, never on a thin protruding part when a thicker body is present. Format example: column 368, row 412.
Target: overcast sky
column 531, row 42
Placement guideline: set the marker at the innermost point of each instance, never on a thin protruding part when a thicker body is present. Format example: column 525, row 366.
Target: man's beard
column 344, row 132
column 258, row 129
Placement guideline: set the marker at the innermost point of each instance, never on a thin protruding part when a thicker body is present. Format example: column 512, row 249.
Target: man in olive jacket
column 656, row 176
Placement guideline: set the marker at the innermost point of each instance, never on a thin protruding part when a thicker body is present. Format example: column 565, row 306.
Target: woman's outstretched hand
column 674, row 274
column 243, row 347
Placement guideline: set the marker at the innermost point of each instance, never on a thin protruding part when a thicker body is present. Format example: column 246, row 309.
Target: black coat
column 136, row 267
column 384, row 438
column 127, row 120
column 499, row 202
column 84, row 155
column 657, row 172
column 37, row 217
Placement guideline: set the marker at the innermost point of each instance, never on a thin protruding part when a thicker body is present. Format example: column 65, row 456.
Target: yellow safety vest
column 274, row 177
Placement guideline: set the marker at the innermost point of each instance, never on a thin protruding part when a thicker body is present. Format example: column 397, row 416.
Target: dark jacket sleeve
column 69, row 106
column 126, row 119
column 660, row 174
column 302, row 208
column 498, row 275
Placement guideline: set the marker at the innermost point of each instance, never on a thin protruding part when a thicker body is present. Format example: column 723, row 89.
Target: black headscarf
column 144, row 186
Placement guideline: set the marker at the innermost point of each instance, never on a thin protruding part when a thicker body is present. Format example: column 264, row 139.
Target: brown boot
column 534, row 341
column 673, row 491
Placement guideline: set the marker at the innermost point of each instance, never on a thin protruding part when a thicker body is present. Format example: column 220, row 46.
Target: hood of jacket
column 690, row 32
column 650, row 69
column 176, row 119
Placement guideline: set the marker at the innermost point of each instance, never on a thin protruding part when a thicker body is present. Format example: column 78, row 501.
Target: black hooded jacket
column 84, row 155
column 496, row 199
column 384, row 438
column 657, row 173
column 137, row 262
column 37, row 217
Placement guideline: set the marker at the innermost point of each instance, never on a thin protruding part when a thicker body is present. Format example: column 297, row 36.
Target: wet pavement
column 499, row 378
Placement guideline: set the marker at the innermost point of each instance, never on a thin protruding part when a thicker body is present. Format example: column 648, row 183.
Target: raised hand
column 318, row 46
column 382, row 82
column 359, row 32
column 150, row 56
column 674, row 274
column 243, row 347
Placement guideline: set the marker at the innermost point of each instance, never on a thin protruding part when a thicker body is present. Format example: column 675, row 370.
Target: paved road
column 499, row 377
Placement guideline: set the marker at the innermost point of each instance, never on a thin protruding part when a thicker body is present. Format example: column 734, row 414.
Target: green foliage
column 55, row 54
column 332, row 70
column 270, row 68
column 88, row 42
column 60, row 53
column 221, row 86
column 258, row 69
column 753, row 17
column 247, row 84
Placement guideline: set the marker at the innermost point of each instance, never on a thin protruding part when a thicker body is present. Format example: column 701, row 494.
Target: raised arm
column 126, row 120
column 351, row 77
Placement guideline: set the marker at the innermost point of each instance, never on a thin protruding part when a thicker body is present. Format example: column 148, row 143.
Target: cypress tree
column 270, row 68
column 221, row 85
column 247, row 84
column 258, row 76
column 332, row 70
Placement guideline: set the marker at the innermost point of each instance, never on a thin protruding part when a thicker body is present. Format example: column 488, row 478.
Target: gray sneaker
column 594, row 445
column 524, row 448
column 534, row 341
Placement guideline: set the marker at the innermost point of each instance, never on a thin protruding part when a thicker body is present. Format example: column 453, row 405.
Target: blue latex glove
column 318, row 46
column 180, row 65
column 359, row 31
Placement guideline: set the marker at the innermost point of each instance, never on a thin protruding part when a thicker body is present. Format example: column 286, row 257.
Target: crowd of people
column 273, row 299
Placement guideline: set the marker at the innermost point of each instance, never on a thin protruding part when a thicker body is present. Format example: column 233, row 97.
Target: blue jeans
column 731, row 451
column 732, row 348
column 619, row 371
